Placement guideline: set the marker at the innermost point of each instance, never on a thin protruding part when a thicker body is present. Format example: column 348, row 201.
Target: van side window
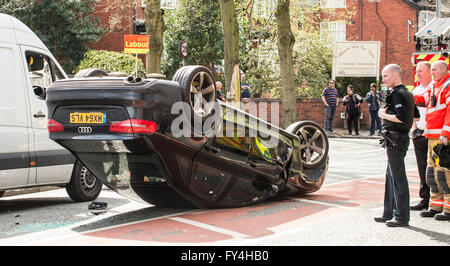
column 43, row 71
column 57, row 72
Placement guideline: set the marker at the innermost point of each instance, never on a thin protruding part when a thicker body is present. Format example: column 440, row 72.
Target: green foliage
column 110, row 62
column 198, row 23
column 65, row 27
column 313, row 62
column 313, row 50
column 262, row 70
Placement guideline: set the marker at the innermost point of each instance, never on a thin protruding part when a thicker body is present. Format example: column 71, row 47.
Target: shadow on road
column 129, row 217
column 444, row 238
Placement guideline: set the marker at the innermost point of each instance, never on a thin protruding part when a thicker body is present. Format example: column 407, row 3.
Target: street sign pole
column 136, row 44
column 136, row 67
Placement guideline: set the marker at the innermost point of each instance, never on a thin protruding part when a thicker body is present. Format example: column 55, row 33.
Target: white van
column 28, row 158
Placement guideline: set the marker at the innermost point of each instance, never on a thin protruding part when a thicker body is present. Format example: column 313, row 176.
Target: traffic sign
column 182, row 48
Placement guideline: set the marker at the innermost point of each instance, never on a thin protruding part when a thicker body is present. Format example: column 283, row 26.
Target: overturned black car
column 172, row 144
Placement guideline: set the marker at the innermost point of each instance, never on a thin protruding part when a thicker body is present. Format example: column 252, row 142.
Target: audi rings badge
column 85, row 130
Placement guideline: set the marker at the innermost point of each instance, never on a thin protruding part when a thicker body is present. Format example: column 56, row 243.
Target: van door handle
column 39, row 114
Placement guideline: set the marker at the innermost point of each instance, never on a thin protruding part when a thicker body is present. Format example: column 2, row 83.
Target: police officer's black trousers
column 396, row 195
column 421, row 152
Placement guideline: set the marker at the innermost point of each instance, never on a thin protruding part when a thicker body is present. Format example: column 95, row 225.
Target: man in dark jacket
column 352, row 103
column 397, row 118
column 374, row 98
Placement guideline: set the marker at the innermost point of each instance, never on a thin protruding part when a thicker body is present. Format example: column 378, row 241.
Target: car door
column 14, row 131
column 222, row 173
column 54, row 164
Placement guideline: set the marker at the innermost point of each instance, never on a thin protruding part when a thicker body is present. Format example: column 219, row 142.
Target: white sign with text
column 356, row 59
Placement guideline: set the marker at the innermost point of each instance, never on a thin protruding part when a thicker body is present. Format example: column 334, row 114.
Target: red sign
column 136, row 44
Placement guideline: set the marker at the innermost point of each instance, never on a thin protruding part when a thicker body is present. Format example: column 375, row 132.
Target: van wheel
column 83, row 186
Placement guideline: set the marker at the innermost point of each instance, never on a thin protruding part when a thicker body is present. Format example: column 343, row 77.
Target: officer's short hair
column 394, row 68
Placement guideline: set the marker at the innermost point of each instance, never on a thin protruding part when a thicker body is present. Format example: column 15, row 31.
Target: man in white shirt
column 423, row 72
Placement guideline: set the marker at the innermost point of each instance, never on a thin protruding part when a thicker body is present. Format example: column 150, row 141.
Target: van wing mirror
column 40, row 92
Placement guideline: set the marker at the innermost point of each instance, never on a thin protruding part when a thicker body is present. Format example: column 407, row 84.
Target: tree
column 65, row 27
column 231, row 39
column 285, row 43
column 198, row 23
column 154, row 25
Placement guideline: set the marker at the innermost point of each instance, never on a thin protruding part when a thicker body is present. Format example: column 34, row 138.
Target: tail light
column 134, row 126
column 53, row 126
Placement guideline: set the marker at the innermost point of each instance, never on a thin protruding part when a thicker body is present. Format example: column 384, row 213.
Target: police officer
column 398, row 116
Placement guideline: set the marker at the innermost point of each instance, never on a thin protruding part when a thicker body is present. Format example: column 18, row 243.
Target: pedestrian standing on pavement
column 374, row 98
column 330, row 99
column 423, row 73
column 220, row 95
column 437, row 131
column 352, row 105
column 397, row 118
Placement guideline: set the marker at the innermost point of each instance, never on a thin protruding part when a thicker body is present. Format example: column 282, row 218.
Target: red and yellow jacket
column 437, row 117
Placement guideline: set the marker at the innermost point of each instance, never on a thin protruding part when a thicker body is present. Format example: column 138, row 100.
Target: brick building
column 392, row 22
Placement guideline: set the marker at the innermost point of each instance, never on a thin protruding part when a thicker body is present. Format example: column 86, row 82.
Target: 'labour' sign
column 136, row 44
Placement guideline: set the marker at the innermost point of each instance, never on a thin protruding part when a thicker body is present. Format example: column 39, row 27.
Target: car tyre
column 314, row 142
column 199, row 90
column 90, row 72
column 83, row 185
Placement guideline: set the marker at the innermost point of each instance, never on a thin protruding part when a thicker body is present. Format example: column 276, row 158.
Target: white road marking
column 209, row 227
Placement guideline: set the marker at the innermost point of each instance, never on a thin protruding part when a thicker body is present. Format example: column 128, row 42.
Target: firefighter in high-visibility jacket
column 437, row 101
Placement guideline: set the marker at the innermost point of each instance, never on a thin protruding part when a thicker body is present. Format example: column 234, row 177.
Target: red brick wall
column 313, row 110
column 114, row 40
column 386, row 21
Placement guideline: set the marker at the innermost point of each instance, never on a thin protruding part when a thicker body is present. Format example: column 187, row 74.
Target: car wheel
column 83, row 185
column 90, row 72
column 314, row 142
column 199, row 90
column 2, row 193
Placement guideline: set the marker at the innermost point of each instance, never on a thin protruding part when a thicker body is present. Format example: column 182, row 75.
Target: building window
column 332, row 4
column 264, row 8
column 336, row 29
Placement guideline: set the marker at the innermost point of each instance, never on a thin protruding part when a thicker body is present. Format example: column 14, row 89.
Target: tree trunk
column 285, row 43
column 231, row 39
column 154, row 25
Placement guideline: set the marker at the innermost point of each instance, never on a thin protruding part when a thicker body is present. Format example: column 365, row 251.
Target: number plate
column 87, row 118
